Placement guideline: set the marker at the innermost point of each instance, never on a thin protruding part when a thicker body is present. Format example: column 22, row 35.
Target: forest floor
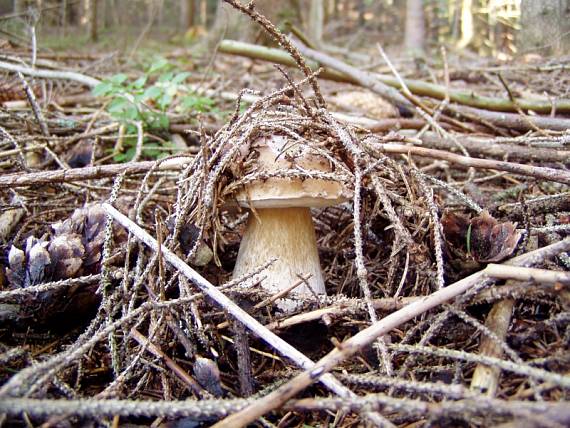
column 446, row 267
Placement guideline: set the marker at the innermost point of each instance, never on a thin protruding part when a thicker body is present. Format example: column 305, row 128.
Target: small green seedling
column 149, row 103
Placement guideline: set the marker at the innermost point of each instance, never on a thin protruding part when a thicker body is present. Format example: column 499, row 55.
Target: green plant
column 148, row 103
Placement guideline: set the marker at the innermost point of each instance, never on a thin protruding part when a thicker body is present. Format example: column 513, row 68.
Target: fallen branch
column 362, row 78
column 544, row 173
column 349, row 347
column 87, row 173
column 417, row 87
column 51, row 74
column 204, row 410
column 511, row 120
column 488, row 148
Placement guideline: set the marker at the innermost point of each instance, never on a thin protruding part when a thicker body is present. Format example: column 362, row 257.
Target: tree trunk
column 316, row 21
column 187, row 12
column 467, row 29
column 93, row 20
column 542, row 27
column 415, row 27
column 17, row 6
column 361, row 8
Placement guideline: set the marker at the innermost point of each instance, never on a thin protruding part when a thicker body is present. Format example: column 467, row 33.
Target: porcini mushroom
column 280, row 223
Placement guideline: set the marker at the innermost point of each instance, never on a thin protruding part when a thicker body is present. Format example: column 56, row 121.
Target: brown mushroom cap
column 278, row 153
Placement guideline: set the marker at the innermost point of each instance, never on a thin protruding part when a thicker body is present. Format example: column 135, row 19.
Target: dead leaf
column 492, row 241
column 482, row 237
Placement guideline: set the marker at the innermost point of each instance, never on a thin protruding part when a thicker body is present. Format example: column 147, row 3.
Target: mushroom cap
column 278, row 153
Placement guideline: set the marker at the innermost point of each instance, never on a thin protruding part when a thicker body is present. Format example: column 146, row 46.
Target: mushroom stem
column 289, row 235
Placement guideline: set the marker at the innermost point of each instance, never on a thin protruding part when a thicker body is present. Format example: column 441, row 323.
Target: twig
column 284, row 41
column 485, row 378
column 241, row 344
column 490, row 148
column 387, row 304
column 206, row 409
column 282, row 293
column 523, row 370
column 436, row 227
column 48, row 286
column 35, row 107
column 551, row 415
column 511, row 120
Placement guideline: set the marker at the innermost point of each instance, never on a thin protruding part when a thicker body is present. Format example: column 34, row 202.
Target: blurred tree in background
column 488, row 27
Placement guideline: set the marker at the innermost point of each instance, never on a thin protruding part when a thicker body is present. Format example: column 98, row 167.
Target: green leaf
column 166, row 77
column 163, row 121
column 131, row 112
column 468, row 239
column 118, row 105
column 140, row 82
column 164, row 101
column 152, row 93
column 159, row 64
column 126, row 156
column 180, row 77
column 118, row 79
column 102, row 89
column 197, row 103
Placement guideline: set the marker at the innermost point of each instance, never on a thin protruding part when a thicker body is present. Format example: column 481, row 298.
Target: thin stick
column 362, row 78
column 527, row 274
column 282, row 293
column 348, row 348
column 203, row 409
column 485, row 378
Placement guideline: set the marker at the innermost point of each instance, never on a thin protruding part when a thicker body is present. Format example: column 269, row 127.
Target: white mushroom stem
column 289, row 235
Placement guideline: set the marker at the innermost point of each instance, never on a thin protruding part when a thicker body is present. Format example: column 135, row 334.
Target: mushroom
column 280, row 223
